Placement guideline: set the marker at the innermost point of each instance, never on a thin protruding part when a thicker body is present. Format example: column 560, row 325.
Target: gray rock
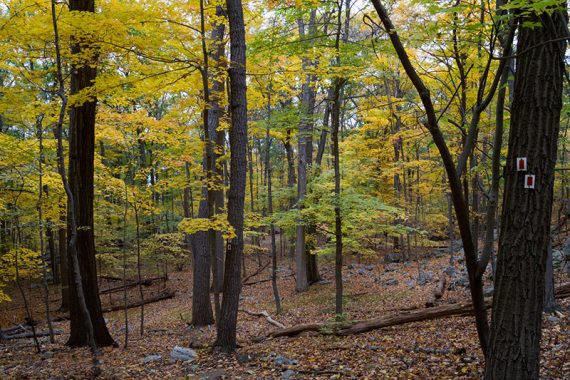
column 245, row 358
column 284, row 361
column 450, row 271
column 152, row 358
column 289, row 374
column 462, row 281
column 183, row 354
column 411, row 284
column 488, row 292
column 558, row 258
column 553, row 319
column 390, row 268
column 369, row 267
column 361, row 272
column 47, row 355
column 391, row 282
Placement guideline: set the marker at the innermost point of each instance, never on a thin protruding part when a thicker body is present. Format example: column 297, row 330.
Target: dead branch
column 266, row 316
column 165, row 294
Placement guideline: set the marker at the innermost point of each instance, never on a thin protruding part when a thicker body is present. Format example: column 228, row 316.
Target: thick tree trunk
column 514, row 347
column 226, row 328
column 81, row 174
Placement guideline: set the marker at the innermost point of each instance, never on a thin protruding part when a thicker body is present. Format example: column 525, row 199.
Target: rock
column 458, row 282
column 152, row 358
column 289, row 374
column 369, row 267
column 245, row 358
column 361, row 272
column 214, row 375
column 488, row 292
column 183, row 354
column 390, row 267
column 450, row 271
column 284, row 361
column 425, row 277
column 411, row 284
column 557, row 258
column 457, row 245
column 553, row 319
column 47, row 355
column 391, row 282
column 350, row 266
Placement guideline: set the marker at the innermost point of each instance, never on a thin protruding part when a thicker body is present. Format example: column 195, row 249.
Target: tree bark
column 202, row 314
column 514, row 346
column 305, row 266
column 226, row 328
column 81, row 174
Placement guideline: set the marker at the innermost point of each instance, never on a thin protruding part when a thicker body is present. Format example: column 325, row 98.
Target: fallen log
column 166, row 294
column 358, row 327
column 438, row 291
column 30, row 334
column 265, row 315
column 132, row 284
column 266, row 280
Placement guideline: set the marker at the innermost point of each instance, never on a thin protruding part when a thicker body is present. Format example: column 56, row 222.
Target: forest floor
column 445, row 348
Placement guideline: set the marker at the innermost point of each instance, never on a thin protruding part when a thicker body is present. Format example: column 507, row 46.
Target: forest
column 294, row 189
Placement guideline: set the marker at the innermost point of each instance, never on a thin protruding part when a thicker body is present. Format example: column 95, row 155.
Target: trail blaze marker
column 521, row 164
column 529, row 181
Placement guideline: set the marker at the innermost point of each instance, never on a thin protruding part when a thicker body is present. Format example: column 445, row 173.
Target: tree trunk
column 304, row 265
column 81, row 174
column 63, row 263
column 202, row 314
column 514, row 346
column 226, row 328
column 270, row 210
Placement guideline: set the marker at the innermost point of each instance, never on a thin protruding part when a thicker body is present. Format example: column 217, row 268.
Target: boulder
column 183, row 354
column 289, row 374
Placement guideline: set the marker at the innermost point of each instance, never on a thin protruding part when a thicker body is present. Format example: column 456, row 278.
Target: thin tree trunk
column 270, row 210
column 41, row 232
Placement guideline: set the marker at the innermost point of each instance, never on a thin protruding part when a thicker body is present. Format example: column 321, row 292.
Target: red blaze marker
column 521, row 164
column 529, row 182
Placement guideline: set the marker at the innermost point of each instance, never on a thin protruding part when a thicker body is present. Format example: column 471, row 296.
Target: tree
column 514, row 345
column 475, row 266
column 81, row 174
column 226, row 328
